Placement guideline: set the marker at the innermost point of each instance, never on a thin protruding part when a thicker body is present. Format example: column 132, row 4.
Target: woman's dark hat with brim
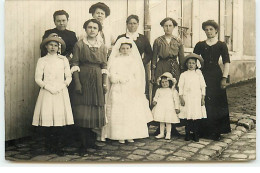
column 210, row 23
column 193, row 55
column 100, row 5
column 56, row 38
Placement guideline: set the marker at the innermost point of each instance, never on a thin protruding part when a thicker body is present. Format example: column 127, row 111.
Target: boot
column 174, row 131
column 168, row 131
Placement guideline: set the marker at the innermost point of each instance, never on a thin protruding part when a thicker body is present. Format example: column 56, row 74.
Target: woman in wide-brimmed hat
column 192, row 95
column 216, row 98
column 53, row 108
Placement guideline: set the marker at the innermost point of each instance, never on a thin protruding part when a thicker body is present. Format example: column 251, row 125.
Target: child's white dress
column 53, row 110
column 127, row 108
column 167, row 101
column 192, row 87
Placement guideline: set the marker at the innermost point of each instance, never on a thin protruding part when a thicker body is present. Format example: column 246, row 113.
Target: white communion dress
column 192, row 87
column 53, row 109
column 167, row 101
column 127, row 108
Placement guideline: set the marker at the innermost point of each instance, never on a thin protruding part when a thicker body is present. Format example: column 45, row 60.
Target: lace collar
column 97, row 44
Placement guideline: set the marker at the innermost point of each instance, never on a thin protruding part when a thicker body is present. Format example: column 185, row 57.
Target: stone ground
column 239, row 145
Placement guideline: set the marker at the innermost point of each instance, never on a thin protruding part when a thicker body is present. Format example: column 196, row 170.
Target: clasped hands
column 55, row 89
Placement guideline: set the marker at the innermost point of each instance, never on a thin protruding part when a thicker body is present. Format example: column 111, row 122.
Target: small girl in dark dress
column 89, row 64
column 217, row 121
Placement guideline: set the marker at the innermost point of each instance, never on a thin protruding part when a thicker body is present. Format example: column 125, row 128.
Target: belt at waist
column 168, row 58
column 89, row 65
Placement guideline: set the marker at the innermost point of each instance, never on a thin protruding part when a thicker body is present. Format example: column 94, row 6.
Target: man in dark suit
column 61, row 18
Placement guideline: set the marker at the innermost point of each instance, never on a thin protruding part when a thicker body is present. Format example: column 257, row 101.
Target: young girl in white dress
column 53, row 108
column 127, row 108
column 166, row 104
column 192, row 94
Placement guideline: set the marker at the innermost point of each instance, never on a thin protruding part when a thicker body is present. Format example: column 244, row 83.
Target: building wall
column 249, row 28
column 25, row 23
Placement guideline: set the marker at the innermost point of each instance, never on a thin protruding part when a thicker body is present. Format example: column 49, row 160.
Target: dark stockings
column 192, row 125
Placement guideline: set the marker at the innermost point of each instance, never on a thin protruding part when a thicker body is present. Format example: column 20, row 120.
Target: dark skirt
column 88, row 107
column 217, row 121
column 166, row 65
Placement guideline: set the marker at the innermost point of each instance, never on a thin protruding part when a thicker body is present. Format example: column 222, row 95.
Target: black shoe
column 216, row 137
column 187, row 137
column 196, row 138
column 94, row 146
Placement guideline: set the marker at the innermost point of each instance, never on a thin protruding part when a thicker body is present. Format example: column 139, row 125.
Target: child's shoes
column 121, row 141
column 161, row 135
column 130, row 140
column 168, row 136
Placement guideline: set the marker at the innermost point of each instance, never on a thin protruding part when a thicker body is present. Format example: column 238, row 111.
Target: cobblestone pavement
column 239, row 145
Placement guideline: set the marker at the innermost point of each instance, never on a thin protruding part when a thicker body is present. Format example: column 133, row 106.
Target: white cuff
column 104, row 71
column 74, row 68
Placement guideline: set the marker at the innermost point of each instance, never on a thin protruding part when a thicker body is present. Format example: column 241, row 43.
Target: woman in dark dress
column 217, row 121
column 90, row 63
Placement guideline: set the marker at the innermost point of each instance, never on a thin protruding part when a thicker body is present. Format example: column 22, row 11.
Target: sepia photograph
column 129, row 81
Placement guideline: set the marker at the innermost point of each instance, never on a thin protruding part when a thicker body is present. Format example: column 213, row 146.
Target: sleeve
column 157, row 95
column 148, row 53
column 181, row 55
column 224, row 53
column 39, row 73
column 181, row 84
column 73, row 41
column 67, row 72
column 197, row 49
column 155, row 53
column 176, row 99
column 75, row 58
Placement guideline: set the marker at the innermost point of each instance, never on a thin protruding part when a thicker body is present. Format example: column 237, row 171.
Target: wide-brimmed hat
column 193, row 55
column 100, row 5
column 169, row 76
column 54, row 37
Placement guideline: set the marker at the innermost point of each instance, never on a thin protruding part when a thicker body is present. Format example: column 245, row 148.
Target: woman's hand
column 51, row 89
column 223, row 83
column 78, row 88
column 182, row 100
column 177, row 111
column 105, row 89
column 152, row 77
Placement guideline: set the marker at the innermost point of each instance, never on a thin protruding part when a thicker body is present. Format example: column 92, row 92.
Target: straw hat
column 169, row 77
column 53, row 37
column 193, row 55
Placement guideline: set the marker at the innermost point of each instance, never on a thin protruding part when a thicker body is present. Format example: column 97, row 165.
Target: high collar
column 211, row 41
column 131, row 35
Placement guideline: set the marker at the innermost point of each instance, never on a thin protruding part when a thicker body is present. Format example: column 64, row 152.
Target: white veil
column 137, row 60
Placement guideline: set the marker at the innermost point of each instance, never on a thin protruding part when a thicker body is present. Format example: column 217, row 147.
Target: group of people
column 100, row 84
